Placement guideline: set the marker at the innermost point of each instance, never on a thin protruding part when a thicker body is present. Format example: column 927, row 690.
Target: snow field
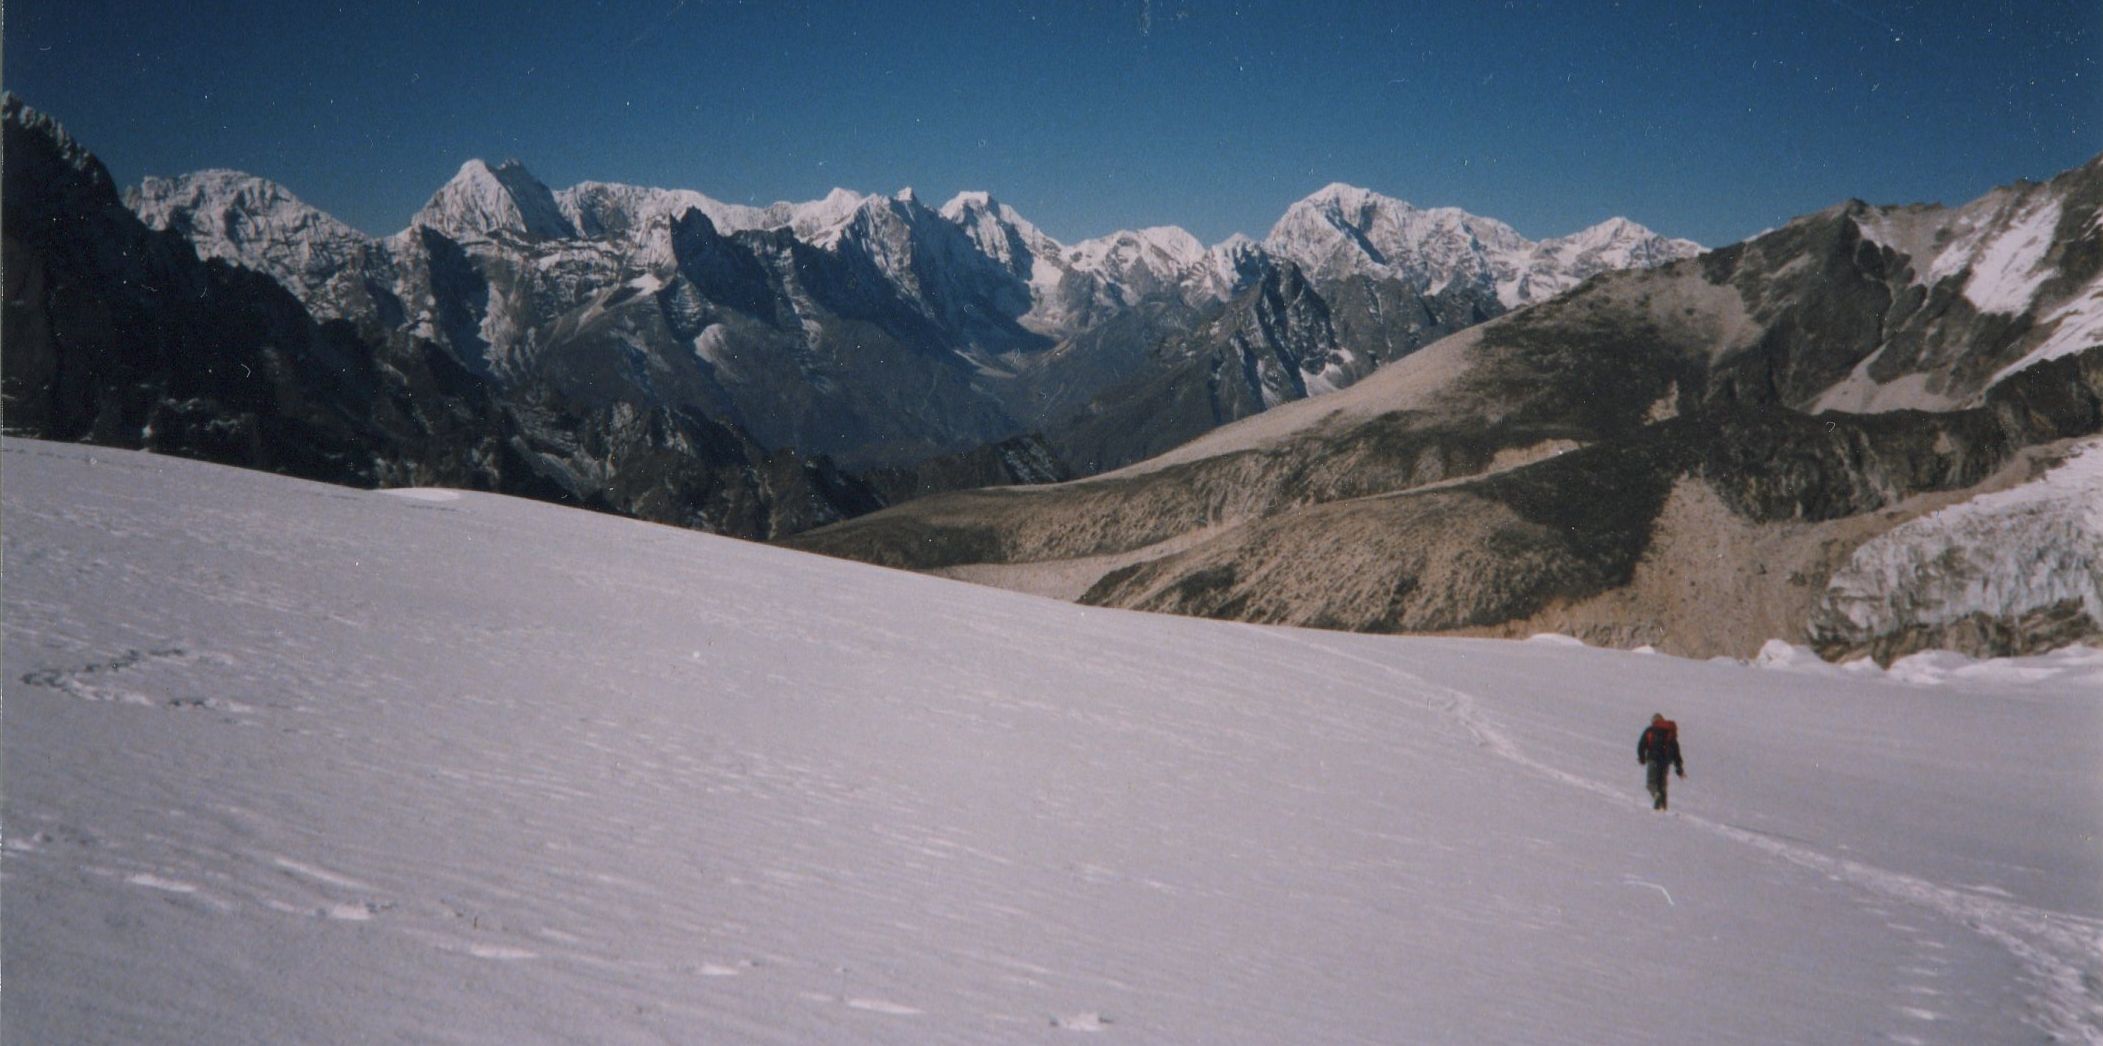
column 292, row 762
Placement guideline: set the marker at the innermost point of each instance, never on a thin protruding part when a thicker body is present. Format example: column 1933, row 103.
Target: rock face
column 1655, row 457
column 116, row 334
column 876, row 329
column 1284, row 339
column 248, row 221
column 120, row 335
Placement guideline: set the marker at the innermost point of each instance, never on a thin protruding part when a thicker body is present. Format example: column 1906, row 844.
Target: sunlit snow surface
column 288, row 762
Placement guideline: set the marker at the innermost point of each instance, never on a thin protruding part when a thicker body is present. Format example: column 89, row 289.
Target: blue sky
column 1706, row 120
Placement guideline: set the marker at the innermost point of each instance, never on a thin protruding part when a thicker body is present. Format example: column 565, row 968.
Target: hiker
column 1659, row 749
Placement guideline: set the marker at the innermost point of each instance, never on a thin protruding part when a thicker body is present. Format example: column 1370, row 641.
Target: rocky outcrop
column 1283, row 339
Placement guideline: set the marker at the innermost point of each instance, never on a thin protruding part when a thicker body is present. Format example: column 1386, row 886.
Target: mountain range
column 660, row 353
column 879, row 330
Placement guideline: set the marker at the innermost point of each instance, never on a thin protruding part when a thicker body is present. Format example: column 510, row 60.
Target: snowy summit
column 1343, row 230
column 482, row 200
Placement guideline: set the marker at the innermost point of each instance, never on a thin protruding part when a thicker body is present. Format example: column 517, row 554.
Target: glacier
column 2033, row 553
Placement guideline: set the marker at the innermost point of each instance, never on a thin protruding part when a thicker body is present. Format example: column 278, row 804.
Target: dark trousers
column 1658, row 770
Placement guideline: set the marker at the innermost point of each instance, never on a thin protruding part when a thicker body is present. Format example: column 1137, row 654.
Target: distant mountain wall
column 882, row 331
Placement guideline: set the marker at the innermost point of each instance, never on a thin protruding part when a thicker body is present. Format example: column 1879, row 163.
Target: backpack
column 1662, row 741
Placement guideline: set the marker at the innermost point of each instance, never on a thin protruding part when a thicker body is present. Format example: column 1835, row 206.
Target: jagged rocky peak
column 1234, row 265
column 250, row 221
column 975, row 209
column 1618, row 243
column 1142, row 260
column 889, row 228
column 70, row 152
column 1001, row 233
column 971, row 203
column 1343, row 231
column 822, row 222
column 482, row 201
column 901, row 234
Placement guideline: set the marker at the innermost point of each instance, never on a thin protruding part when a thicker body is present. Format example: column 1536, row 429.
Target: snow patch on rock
column 2007, row 274
column 2075, row 326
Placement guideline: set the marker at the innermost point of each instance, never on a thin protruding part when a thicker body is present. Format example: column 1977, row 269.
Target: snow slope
column 293, row 762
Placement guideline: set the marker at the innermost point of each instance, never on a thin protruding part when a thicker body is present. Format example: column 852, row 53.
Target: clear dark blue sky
column 1707, row 120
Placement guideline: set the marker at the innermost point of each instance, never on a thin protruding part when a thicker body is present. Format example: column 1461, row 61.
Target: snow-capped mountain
column 1002, row 234
column 1062, row 299
column 1555, row 265
column 1143, row 261
column 1231, row 266
column 874, row 327
column 483, row 201
column 498, row 345
column 1342, row 231
column 607, row 210
column 1074, row 288
column 251, row 221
